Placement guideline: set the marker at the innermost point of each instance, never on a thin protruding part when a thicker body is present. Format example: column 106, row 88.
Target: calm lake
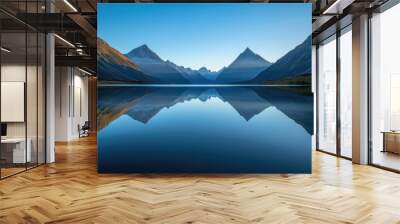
column 204, row 129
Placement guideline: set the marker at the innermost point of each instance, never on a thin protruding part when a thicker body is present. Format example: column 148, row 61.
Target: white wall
column 71, row 102
column 62, row 82
column 17, row 73
column 33, row 126
column 13, row 101
column 80, row 111
column 13, row 72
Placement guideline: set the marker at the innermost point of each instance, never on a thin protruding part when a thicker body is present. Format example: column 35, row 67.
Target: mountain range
column 143, row 65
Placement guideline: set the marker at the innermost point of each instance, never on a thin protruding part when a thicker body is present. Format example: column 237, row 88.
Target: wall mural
column 204, row 88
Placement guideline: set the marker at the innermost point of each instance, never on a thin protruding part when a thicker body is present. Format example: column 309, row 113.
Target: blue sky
column 211, row 35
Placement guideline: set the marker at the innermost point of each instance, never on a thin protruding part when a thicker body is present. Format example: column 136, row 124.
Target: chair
column 84, row 130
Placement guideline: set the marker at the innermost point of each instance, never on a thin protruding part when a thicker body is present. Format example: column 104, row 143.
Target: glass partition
column 41, row 97
column 346, row 92
column 327, row 95
column 31, row 99
column 14, row 153
column 22, row 66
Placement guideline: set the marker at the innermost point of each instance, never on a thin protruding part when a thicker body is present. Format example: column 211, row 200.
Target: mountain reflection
column 142, row 103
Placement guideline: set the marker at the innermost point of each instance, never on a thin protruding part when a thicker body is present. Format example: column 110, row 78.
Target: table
column 391, row 141
column 19, row 154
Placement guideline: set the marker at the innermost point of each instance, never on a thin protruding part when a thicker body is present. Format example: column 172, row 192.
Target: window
column 327, row 95
column 346, row 92
column 385, row 89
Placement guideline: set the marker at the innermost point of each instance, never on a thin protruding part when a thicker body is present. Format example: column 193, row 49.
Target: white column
column 360, row 90
column 63, row 103
column 50, row 98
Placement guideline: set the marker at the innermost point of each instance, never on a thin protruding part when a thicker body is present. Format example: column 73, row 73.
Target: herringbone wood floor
column 71, row 191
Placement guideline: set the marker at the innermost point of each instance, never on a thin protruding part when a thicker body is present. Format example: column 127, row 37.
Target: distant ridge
column 114, row 66
column 296, row 62
column 208, row 74
column 150, row 63
column 192, row 75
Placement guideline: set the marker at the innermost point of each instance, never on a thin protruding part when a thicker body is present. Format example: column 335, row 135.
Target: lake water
column 204, row 129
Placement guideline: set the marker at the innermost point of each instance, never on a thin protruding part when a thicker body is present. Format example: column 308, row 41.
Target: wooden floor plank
column 71, row 191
